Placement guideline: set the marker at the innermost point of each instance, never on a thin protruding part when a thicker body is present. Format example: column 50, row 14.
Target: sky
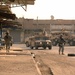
column 43, row 9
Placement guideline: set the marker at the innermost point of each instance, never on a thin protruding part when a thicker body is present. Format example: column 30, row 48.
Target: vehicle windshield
column 42, row 38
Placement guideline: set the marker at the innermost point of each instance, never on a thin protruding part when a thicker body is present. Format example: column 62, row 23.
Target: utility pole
column 37, row 22
column 37, row 25
column 50, row 27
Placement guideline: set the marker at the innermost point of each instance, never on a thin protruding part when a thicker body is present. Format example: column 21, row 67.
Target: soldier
column 7, row 39
column 61, row 43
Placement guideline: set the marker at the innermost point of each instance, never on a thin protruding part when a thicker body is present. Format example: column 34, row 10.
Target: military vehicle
column 40, row 40
column 69, row 38
column 28, row 40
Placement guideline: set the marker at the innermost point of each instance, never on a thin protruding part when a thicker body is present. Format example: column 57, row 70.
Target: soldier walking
column 7, row 39
column 61, row 43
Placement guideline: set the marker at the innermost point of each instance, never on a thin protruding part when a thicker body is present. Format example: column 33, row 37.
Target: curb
column 42, row 68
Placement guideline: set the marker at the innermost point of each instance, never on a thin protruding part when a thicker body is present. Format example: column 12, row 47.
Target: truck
column 69, row 38
column 40, row 40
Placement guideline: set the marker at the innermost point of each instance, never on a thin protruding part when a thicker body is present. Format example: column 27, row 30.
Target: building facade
column 31, row 26
column 51, row 25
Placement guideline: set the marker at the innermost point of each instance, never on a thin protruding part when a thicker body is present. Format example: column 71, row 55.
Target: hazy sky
column 60, row 9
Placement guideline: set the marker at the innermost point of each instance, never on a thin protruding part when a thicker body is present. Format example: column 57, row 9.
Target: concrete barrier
column 71, row 54
column 43, row 68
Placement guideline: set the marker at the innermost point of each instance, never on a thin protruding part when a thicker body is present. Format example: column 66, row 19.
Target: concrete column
column 22, row 37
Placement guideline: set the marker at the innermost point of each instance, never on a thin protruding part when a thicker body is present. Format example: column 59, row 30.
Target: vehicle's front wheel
column 44, row 47
column 31, row 47
column 50, row 47
column 36, row 47
column 27, row 44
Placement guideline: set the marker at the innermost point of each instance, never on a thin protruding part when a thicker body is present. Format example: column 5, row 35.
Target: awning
column 10, row 24
column 7, row 15
column 24, row 2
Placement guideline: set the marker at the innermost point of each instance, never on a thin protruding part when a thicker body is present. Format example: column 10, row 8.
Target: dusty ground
column 59, row 64
column 17, row 65
column 45, row 59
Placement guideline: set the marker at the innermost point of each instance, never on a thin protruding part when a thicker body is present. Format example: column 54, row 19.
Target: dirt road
column 49, row 62
column 59, row 64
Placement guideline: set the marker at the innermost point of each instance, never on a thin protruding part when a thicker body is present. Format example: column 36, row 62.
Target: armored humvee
column 40, row 40
column 69, row 38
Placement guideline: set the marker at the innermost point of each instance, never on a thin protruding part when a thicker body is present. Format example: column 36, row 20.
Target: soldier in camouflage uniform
column 7, row 39
column 61, row 43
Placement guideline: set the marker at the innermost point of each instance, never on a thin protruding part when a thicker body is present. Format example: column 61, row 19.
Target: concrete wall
column 16, row 34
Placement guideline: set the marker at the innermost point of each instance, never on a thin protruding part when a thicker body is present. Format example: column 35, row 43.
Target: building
column 31, row 26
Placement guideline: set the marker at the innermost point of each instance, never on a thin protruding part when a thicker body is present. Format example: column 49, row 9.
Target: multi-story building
column 48, row 25
column 31, row 26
